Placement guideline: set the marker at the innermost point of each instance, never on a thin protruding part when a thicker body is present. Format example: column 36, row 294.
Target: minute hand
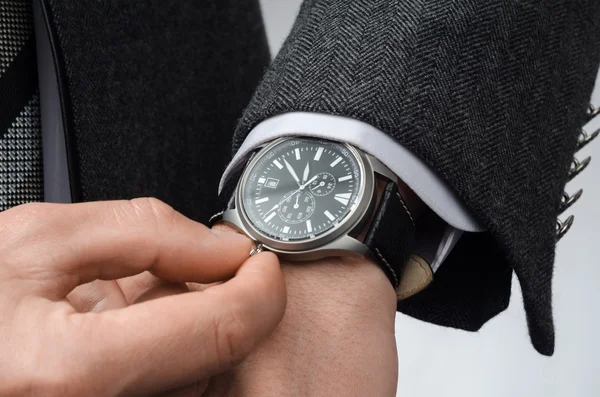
column 292, row 172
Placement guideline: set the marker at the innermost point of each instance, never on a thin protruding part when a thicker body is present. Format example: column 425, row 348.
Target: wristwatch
column 306, row 199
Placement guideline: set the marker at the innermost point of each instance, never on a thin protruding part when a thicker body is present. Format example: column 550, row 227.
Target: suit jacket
column 151, row 93
column 491, row 94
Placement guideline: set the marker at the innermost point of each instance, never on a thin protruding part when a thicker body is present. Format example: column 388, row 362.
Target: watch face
column 300, row 189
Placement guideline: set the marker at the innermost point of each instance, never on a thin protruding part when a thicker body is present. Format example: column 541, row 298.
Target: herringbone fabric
column 20, row 134
column 491, row 94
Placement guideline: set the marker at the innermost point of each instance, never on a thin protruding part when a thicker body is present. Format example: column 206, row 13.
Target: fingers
column 66, row 245
column 146, row 286
column 173, row 341
column 97, row 296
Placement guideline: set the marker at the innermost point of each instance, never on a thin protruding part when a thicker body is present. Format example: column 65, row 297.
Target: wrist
column 355, row 282
column 339, row 324
column 352, row 288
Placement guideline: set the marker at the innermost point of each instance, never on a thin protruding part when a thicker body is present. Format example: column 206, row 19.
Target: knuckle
column 152, row 210
column 143, row 222
column 231, row 342
column 26, row 216
column 32, row 209
column 22, row 228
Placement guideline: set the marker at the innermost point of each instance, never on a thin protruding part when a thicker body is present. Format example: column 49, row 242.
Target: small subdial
column 296, row 207
column 323, row 185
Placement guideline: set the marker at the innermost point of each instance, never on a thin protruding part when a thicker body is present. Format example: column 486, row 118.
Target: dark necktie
column 21, row 167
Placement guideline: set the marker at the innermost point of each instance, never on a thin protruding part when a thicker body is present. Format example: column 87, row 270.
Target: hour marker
column 268, row 218
column 278, row 164
column 319, row 153
column 261, row 180
column 336, row 162
column 343, row 198
column 345, row 178
column 309, row 226
column 297, row 151
column 328, row 215
column 286, row 229
column 262, row 200
column 344, row 195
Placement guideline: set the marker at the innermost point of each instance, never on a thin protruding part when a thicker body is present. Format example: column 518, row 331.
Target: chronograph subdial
column 296, row 207
column 323, row 184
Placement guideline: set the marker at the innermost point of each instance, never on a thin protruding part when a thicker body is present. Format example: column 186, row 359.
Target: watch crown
column 257, row 249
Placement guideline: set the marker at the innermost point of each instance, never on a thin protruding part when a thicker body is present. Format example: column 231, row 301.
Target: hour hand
column 292, row 172
column 306, row 172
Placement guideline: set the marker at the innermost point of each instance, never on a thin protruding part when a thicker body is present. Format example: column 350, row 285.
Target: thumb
column 173, row 341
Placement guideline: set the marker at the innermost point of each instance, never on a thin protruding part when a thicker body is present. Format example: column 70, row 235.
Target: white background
column 499, row 360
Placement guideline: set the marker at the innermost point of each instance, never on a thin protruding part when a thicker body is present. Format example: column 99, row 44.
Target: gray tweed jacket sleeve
column 492, row 94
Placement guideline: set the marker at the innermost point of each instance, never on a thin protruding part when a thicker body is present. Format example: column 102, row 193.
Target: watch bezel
column 363, row 204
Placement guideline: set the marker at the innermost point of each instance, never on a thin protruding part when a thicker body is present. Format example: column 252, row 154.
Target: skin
column 140, row 335
column 336, row 337
column 127, row 298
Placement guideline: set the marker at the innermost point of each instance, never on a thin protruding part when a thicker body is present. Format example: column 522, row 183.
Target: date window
column 272, row 183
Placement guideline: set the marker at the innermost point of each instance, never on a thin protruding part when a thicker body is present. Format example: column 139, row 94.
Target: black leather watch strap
column 392, row 233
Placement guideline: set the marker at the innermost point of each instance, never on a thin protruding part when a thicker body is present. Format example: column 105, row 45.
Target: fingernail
column 229, row 234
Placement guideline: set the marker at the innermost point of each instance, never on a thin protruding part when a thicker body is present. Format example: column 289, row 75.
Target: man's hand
column 58, row 343
column 336, row 338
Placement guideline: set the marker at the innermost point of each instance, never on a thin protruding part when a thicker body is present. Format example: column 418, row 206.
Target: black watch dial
column 301, row 188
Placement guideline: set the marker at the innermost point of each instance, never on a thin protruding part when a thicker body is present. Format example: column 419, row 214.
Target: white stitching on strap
column 406, row 209
column 396, row 282
column 217, row 215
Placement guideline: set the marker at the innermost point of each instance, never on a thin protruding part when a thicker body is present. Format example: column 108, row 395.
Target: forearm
column 340, row 322
column 336, row 338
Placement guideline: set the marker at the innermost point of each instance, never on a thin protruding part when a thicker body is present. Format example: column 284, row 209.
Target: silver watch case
column 335, row 242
